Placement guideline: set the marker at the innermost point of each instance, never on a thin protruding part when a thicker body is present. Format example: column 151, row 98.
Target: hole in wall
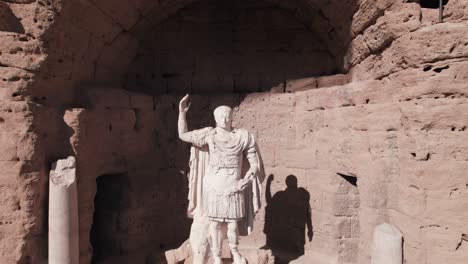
column 440, row 69
column 349, row 178
column 431, row 3
column 427, row 68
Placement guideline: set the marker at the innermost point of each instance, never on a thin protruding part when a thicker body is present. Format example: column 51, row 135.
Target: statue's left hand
column 249, row 176
column 243, row 184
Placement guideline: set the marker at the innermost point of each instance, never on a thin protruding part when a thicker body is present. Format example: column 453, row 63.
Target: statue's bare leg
column 216, row 240
column 233, row 240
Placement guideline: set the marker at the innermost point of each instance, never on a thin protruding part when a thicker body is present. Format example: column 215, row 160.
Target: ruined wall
column 228, row 47
column 117, row 140
column 403, row 143
column 396, row 140
column 48, row 48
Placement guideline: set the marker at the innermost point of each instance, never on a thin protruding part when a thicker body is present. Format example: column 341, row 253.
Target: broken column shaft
column 63, row 213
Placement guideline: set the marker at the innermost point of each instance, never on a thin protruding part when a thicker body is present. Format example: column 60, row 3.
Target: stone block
column 427, row 174
column 342, row 228
column 382, row 117
column 357, row 51
column 96, row 21
column 301, row 84
column 455, row 11
column 323, row 223
column 123, row 12
column 440, row 117
column 377, row 36
column 355, row 227
column 8, row 145
column 332, row 80
column 108, row 98
column 19, row 54
column 367, row 14
column 340, row 205
column 419, row 52
column 114, row 60
column 437, row 210
column 348, row 250
column 294, row 158
column 411, row 200
column 141, row 101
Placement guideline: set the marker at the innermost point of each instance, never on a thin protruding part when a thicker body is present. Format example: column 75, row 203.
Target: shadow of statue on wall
column 287, row 215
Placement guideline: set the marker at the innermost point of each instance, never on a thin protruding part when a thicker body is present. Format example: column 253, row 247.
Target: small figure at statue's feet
column 217, row 260
column 238, row 259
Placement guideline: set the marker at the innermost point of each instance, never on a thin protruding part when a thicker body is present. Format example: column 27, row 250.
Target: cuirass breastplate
column 221, row 159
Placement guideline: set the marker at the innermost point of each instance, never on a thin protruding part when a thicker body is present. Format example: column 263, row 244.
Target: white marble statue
column 223, row 199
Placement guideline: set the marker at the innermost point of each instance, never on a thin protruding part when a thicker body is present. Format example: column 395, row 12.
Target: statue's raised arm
column 184, row 106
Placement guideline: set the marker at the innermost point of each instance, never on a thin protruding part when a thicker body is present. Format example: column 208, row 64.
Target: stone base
column 257, row 256
column 183, row 254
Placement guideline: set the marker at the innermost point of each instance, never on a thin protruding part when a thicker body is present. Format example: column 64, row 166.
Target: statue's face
column 223, row 117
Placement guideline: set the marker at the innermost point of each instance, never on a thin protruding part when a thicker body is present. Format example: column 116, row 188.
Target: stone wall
column 407, row 87
column 404, row 145
column 228, row 47
column 119, row 138
column 395, row 140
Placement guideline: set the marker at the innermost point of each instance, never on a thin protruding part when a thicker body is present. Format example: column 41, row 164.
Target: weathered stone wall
column 49, row 48
column 403, row 143
column 228, row 47
column 396, row 140
column 131, row 140
column 120, row 135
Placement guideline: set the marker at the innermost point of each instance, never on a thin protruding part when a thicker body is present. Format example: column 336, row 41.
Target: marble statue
column 223, row 198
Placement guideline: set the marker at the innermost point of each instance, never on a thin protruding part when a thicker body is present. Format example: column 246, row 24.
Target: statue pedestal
column 253, row 256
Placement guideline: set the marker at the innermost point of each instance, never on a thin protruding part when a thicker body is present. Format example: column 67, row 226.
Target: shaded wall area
column 108, row 233
column 228, row 46
column 110, row 140
column 132, row 185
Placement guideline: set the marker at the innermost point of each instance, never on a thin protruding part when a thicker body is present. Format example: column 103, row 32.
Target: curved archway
column 104, row 47
column 228, row 47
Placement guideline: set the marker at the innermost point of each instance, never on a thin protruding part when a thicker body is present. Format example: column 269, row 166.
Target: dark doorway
column 110, row 201
column 287, row 219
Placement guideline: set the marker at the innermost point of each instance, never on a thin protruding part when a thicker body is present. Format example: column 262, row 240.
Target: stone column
column 387, row 246
column 63, row 213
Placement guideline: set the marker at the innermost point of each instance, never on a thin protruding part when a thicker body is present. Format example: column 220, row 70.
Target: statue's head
column 223, row 117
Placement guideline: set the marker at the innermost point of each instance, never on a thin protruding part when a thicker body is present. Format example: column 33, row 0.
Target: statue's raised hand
column 184, row 104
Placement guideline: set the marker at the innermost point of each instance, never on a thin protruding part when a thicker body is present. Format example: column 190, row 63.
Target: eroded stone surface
column 396, row 121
